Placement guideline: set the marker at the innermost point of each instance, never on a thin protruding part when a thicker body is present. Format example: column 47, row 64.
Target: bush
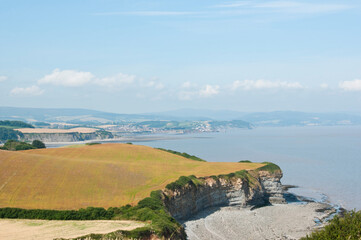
column 92, row 143
column 347, row 227
column 270, row 167
column 186, row 155
column 13, row 145
column 38, row 144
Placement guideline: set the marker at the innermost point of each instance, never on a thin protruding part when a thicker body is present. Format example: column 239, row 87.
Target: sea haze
column 318, row 159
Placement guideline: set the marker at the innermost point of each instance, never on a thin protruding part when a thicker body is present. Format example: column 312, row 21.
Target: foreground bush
column 340, row 228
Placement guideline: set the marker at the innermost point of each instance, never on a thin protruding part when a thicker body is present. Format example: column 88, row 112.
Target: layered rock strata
column 257, row 188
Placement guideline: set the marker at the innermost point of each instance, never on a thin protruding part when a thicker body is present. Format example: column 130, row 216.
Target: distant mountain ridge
column 85, row 116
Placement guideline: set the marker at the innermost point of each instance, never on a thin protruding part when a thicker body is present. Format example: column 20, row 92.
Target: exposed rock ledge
column 256, row 189
column 67, row 137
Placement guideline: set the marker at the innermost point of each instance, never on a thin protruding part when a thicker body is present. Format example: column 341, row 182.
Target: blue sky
column 146, row 56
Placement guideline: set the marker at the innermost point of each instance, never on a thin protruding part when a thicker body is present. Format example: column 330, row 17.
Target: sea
column 323, row 161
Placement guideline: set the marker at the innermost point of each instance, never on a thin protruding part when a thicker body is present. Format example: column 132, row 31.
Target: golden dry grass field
column 104, row 175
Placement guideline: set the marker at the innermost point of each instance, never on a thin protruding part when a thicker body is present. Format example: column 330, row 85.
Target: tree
column 38, row 144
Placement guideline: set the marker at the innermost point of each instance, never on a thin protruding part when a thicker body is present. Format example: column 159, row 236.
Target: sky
column 133, row 56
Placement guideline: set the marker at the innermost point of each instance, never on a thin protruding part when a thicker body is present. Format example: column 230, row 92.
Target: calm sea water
column 318, row 159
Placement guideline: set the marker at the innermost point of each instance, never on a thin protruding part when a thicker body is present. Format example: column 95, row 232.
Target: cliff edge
column 244, row 188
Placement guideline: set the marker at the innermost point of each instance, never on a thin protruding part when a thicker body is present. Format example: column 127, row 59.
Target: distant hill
column 85, row 116
column 201, row 114
column 291, row 118
column 70, row 115
column 269, row 119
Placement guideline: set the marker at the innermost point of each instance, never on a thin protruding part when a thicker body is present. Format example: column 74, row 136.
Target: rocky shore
column 281, row 221
column 254, row 206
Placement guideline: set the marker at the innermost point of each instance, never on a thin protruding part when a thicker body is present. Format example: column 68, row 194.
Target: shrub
column 346, row 227
column 186, row 155
column 38, row 144
column 245, row 161
column 270, row 167
column 13, row 145
column 92, row 143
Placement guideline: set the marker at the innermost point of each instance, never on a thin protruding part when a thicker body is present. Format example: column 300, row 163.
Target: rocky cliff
column 66, row 137
column 252, row 188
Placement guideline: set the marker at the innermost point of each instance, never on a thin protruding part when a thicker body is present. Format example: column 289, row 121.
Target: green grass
column 183, row 181
column 270, row 167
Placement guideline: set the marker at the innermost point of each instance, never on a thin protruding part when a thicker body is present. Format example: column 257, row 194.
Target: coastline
column 294, row 220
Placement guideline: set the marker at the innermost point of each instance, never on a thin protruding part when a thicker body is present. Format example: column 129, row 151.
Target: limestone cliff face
column 259, row 188
column 66, row 137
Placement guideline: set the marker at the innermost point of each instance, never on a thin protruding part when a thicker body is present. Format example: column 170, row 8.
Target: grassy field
column 14, row 229
column 103, row 175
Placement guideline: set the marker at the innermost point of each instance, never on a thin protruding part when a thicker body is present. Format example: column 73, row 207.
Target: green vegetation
column 92, row 143
column 340, row 228
column 182, row 181
column 270, row 167
column 8, row 133
column 13, row 145
column 243, row 174
column 38, row 144
column 194, row 181
column 245, row 161
column 89, row 213
column 186, row 155
column 15, row 124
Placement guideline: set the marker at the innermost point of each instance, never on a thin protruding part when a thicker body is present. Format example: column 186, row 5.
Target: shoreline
column 299, row 217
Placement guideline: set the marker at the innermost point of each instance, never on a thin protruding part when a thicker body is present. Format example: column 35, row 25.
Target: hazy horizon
column 141, row 56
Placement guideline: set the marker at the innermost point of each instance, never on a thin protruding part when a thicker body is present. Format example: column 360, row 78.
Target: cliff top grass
column 101, row 175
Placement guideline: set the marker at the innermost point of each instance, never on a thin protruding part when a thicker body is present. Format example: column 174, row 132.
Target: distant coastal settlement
column 70, row 132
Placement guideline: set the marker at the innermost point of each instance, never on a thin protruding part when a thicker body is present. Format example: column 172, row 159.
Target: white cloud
column 118, row 81
column 286, row 6
column 3, row 78
column 191, row 91
column 189, row 85
column 68, row 78
column 324, row 85
column 155, row 85
column 29, row 91
column 209, row 91
column 354, row 85
column 148, row 13
column 186, row 95
column 264, row 84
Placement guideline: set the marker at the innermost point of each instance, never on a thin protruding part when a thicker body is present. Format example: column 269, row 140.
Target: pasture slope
column 104, row 175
